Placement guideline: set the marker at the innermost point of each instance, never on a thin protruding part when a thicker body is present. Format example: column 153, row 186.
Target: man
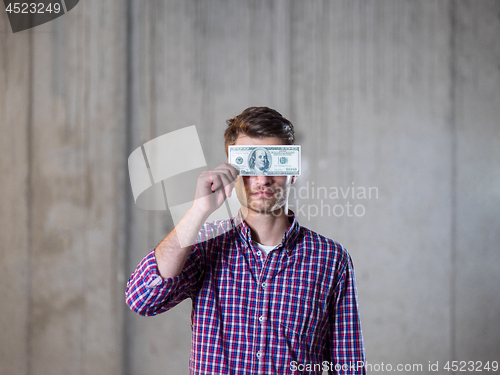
column 259, row 162
column 269, row 296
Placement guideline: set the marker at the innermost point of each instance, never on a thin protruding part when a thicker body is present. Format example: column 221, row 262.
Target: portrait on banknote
column 260, row 160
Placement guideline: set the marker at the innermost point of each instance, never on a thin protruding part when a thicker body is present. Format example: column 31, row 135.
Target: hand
column 213, row 188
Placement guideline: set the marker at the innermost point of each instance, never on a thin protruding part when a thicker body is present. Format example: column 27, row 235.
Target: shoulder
column 214, row 231
column 319, row 246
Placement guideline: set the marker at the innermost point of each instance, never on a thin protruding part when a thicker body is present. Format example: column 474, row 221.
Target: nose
column 263, row 180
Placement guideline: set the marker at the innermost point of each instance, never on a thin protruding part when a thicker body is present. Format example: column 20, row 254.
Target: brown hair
column 259, row 122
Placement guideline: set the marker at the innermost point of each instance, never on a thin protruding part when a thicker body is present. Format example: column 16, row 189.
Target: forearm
column 171, row 254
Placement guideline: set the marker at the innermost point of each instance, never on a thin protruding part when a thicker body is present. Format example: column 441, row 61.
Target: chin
column 260, row 209
column 267, row 207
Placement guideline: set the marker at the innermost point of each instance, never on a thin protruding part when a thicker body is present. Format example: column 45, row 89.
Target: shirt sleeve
column 148, row 294
column 345, row 342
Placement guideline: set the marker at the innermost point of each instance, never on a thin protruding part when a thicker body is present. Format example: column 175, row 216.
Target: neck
column 267, row 228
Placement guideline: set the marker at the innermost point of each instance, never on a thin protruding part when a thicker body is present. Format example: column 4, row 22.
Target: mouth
column 263, row 193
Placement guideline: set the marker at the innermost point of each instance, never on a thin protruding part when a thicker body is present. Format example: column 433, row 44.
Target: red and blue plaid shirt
column 294, row 311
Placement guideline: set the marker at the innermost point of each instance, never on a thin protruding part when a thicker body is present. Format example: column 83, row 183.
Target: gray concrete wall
column 62, row 192
column 399, row 96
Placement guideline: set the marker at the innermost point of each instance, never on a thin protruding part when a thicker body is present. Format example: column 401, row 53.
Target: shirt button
column 259, row 253
column 264, row 284
column 261, row 318
column 259, row 354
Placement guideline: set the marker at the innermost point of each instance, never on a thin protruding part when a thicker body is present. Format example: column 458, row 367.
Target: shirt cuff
column 153, row 279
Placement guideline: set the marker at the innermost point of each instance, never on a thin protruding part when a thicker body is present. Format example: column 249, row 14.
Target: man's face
column 262, row 194
column 260, row 159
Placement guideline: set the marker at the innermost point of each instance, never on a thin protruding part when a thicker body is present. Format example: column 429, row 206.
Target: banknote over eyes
column 265, row 160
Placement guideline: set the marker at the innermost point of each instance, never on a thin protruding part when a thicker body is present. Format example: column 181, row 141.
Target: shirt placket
column 263, row 300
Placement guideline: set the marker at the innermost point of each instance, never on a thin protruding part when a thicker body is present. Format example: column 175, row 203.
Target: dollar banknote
column 265, row 160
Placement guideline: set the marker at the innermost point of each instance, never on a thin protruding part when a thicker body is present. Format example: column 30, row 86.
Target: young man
column 269, row 296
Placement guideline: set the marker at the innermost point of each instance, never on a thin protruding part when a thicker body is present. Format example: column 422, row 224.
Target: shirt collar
column 289, row 238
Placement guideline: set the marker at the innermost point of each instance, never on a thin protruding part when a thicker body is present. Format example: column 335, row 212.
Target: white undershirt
column 265, row 248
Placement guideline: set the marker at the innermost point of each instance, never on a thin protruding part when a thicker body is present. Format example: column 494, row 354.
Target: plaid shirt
column 294, row 311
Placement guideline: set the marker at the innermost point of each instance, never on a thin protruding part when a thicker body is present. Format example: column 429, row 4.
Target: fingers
column 232, row 169
column 211, row 179
column 222, row 180
column 229, row 169
column 227, row 184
